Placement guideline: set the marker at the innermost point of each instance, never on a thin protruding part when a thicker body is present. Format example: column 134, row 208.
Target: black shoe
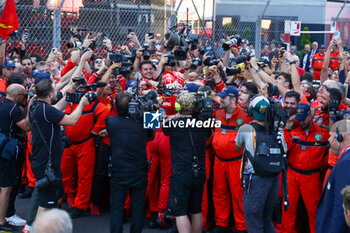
column 153, row 220
column 7, row 227
column 26, row 194
column 173, row 229
column 218, row 229
column 77, row 213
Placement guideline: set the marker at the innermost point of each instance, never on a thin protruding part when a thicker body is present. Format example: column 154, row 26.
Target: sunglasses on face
column 98, row 61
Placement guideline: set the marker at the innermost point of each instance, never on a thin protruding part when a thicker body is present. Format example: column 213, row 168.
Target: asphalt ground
column 86, row 224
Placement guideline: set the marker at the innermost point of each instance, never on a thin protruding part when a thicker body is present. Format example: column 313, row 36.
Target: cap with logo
column 303, row 110
column 322, row 46
column 259, row 106
column 9, row 64
column 228, row 91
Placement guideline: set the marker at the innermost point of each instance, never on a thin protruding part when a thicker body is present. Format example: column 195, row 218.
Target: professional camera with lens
column 263, row 62
column 83, row 89
column 138, row 106
column 232, row 71
column 210, row 61
column 49, row 179
column 126, row 65
column 204, row 103
column 171, row 60
column 181, row 52
column 145, row 52
column 202, row 51
column 242, row 58
column 193, row 40
column 234, row 41
column 276, row 117
column 195, row 63
column 75, row 44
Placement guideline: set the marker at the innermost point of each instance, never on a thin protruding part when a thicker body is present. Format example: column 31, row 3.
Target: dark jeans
column 258, row 201
column 137, row 185
column 103, row 151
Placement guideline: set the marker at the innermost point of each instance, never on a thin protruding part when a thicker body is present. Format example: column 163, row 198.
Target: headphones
column 338, row 136
column 177, row 103
column 177, row 106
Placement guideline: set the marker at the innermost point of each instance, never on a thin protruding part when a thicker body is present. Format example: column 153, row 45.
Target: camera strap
column 195, row 157
column 49, row 162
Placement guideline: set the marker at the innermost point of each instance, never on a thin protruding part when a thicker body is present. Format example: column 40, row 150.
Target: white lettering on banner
column 190, row 122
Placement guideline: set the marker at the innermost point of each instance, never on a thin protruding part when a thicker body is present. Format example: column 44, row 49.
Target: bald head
column 343, row 126
column 339, row 129
column 53, row 221
column 15, row 89
column 330, row 84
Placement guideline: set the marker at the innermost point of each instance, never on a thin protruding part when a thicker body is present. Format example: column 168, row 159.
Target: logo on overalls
column 318, row 137
column 239, row 121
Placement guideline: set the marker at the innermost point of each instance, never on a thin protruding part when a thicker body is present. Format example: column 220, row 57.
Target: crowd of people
column 72, row 131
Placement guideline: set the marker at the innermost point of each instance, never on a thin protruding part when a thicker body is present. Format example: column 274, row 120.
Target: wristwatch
column 293, row 62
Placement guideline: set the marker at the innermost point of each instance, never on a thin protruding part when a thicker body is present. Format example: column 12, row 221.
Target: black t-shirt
column 182, row 150
column 10, row 114
column 48, row 119
column 128, row 140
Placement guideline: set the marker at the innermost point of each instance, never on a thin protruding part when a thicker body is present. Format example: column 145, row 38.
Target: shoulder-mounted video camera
column 276, row 116
column 204, row 103
column 84, row 89
column 139, row 105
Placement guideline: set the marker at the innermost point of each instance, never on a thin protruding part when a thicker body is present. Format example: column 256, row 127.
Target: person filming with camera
column 263, row 160
column 188, row 145
column 46, row 138
column 129, row 165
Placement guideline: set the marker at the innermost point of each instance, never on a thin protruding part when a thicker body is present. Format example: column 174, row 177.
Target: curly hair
column 187, row 102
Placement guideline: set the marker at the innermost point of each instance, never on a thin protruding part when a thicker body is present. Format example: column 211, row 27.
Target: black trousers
column 103, row 151
column 11, row 210
column 137, row 185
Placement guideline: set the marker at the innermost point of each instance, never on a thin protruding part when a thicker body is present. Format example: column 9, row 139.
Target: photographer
column 47, row 143
column 262, row 163
column 129, row 165
column 188, row 145
column 11, row 121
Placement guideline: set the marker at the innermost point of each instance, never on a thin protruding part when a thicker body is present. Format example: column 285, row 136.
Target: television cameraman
column 262, row 163
column 129, row 164
column 188, row 145
column 46, row 138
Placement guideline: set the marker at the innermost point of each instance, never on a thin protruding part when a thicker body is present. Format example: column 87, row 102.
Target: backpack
column 268, row 158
